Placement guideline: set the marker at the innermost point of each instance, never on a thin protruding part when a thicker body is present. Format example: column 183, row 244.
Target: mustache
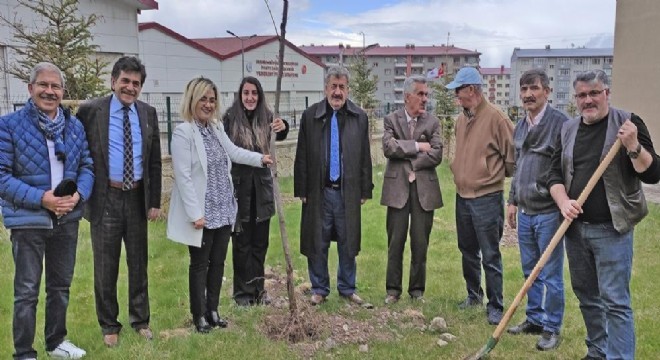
column 589, row 106
column 529, row 99
column 48, row 97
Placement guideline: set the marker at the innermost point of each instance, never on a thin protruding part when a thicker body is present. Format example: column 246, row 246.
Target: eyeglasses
column 592, row 94
column 45, row 85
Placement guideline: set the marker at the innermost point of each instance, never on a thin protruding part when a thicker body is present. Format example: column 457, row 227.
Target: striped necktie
column 129, row 176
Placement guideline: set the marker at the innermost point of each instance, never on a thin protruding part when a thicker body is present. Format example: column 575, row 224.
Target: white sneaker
column 66, row 350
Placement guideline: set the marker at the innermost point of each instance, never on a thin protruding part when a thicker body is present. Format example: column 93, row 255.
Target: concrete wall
column 636, row 71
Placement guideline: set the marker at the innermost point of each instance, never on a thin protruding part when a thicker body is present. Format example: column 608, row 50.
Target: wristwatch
column 634, row 154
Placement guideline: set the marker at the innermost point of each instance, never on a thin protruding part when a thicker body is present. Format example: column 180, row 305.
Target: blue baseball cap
column 465, row 76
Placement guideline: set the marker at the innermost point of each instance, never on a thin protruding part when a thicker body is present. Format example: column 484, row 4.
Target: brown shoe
column 111, row 340
column 391, row 299
column 316, row 299
column 146, row 333
column 355, row 299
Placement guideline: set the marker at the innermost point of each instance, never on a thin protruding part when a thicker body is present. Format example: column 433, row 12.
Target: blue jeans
column 600, row 262
column 334, row 222
column 534, row 235
column 29, row 247
column 479, row 227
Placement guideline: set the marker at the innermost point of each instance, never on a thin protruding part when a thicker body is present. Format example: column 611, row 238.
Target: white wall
column 171, row 64
column 262, row 64
column 116, row 33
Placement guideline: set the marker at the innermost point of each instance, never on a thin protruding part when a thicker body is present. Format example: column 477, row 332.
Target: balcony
column 417, row 65
column 398, row 89
column 399, row 76
column 400, row 65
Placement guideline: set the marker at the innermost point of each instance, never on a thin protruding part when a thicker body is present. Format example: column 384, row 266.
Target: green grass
column 168, row 274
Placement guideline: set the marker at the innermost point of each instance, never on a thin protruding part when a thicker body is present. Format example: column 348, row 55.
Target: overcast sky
column 492, row 27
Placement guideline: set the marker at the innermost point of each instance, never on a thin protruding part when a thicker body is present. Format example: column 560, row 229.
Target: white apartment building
column 562, row 66
column 496, row 87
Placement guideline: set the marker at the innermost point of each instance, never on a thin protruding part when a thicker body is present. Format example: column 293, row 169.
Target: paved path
column 652, row 193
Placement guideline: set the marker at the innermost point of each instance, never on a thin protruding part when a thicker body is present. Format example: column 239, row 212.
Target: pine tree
column 65, row 40
column 363, row 84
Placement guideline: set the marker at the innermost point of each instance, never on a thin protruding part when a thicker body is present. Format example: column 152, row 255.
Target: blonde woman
column 202, row 207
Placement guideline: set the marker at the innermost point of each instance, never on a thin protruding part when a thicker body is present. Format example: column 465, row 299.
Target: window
column 608, row 61
column 561, row 95
column 375, row 64
column 506, row 94
column 499, row 85
column 499, row 77
column 499, row 93
column 499, row 102
column 564, row 61
column 562, row 83
column 540, row 61
column 506, row 102
column 578, row 61
column 524, row 61
column 552, row 66
column 506, row 86
column 388, row 60
column 430, row 59
column 595, row 61
column 564, row 72
column 457, row 61
column 388, row 71
column 387, row 84
column 552, row 78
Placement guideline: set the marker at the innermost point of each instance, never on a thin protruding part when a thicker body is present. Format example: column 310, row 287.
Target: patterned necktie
column 127, row 181
column 411, row 127
column 334, row 148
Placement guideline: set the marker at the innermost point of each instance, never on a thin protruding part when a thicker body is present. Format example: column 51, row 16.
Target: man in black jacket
column 332, row 177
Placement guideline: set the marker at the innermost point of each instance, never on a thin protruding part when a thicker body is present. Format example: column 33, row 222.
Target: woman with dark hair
column 249, row 122
column 202, row 206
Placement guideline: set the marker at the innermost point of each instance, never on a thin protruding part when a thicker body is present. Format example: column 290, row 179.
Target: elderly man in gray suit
column 411, row 191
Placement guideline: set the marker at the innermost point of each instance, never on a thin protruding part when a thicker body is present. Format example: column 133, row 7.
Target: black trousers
column 397, row 222
column 207, row 266
column 124, row 218
column 249, row 249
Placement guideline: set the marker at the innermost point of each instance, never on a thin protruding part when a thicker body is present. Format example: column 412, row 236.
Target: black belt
column 333, row 186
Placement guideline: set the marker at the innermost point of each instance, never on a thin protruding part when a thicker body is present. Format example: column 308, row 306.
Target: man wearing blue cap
column 484, row 156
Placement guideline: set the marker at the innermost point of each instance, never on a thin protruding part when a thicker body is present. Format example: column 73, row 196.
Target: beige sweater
column 485, row 153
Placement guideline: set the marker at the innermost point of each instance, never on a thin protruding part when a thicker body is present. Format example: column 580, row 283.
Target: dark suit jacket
column 402, row 157
column 95, row 116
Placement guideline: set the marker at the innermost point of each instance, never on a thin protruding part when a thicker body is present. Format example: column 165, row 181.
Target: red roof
column 229, row 47
column 320, row 50
column 176, row 35
column 224, row 48
column 495, row 71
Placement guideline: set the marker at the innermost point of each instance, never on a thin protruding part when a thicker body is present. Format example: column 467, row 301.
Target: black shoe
column 494, row 316
column 215, row 320
column 588, row 357
column 526, row 328
column 469, row 303
column 264, row 300
column 201, row 325
column 548, row 341
column 244, row 301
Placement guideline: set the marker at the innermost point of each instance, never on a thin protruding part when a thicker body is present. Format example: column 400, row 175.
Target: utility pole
column 242, row 49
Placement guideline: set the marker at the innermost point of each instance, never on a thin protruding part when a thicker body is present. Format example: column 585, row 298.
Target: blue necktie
column 334, row 148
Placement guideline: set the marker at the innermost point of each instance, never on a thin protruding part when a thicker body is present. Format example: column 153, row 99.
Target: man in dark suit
column 125, row 146
column 411, row 191
column 332, row 177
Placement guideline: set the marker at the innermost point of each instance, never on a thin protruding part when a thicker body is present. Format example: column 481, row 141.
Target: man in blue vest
column 599, row 242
